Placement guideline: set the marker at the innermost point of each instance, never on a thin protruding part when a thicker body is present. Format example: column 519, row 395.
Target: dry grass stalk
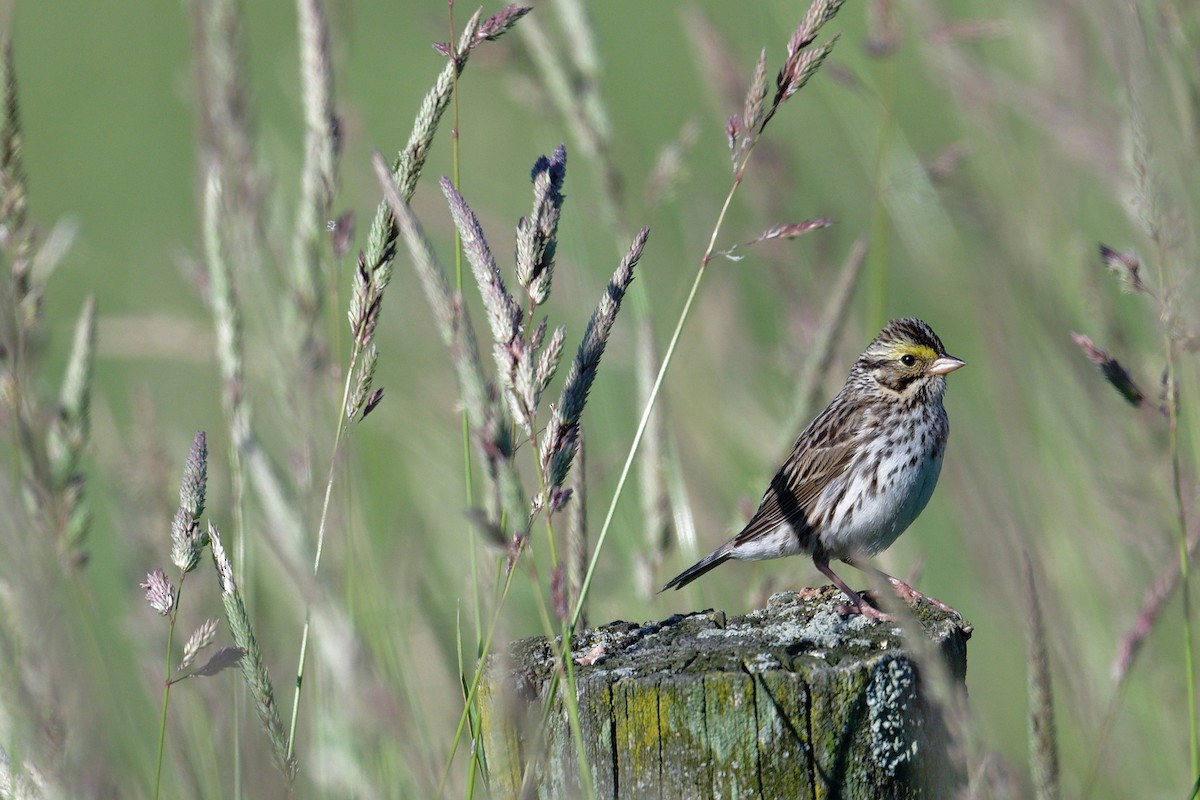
column 503, row 313
column 14, row 202
column 221, row 74
column 571, row 76
column 453, row 325
column 362, row 399
column 721, row 67
column 1111, row 369
column 274, row 494
column 478, row 394
column 160, row 592
column 753, row 109
column 411, row 159
column 226, row 132
column 968, row 30
column 51, row 438
column 512, row 353
column 318, row 176
column 187, row 539
column 254, row 670
column 885, row 32
column 1043, row 740
column 375, row 263
column 652, row 469
column 802, row 60
column 308, row 274
column 375, row 270
column 537, row 234
column 229, row 226
column 670, row 167
column 577, row 532
column 1160, row 212
column 536, row 245
column 792, row 230
column 1154, row 602
column 561, row 439
column 822, row 351
column 67, row 437
column 201, row 638
column 1125, row 266
column 223, row 304
column 526, row 360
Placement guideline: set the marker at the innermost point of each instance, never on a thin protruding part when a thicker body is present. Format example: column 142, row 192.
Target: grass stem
column 648, row 408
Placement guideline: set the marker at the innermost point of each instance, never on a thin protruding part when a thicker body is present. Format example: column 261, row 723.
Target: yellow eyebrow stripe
column 923, row 352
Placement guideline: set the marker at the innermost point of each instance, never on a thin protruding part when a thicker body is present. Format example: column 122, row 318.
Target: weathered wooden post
column 790, row 701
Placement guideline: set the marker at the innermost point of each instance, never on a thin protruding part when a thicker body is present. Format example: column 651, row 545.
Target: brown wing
column 821, row 453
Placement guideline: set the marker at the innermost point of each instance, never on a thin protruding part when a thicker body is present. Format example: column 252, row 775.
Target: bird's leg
column 857, row 603
column 905, row 592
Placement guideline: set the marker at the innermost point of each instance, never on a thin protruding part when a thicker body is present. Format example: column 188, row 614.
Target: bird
column 862, row 470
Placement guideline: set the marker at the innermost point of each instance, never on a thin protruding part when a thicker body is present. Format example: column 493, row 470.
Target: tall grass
column 971, row 161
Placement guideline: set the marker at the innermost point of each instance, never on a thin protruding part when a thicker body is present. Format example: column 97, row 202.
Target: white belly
column 875, row 518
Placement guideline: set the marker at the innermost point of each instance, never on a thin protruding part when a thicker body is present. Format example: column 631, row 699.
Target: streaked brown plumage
column 862, row 471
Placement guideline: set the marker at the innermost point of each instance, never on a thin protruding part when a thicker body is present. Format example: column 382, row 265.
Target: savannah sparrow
column 862, row 471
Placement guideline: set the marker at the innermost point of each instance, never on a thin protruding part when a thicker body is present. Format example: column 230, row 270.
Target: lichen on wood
column 792, row 700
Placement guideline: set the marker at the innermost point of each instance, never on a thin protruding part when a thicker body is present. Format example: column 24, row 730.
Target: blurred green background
column 983, row 151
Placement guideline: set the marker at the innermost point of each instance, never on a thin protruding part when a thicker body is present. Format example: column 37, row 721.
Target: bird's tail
column 713, row 559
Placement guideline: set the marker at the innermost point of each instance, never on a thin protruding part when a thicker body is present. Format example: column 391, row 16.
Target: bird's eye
column 908, row 359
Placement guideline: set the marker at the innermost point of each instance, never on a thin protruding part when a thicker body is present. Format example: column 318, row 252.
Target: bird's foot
column 867, row 612
column 911, row 596
column 860, row 606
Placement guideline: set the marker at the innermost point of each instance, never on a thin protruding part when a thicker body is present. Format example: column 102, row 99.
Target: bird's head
column 907, row 359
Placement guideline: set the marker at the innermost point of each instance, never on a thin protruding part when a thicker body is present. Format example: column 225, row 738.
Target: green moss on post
column 788, row 701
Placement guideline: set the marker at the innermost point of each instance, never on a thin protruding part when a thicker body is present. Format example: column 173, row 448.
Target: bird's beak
column 944, row 365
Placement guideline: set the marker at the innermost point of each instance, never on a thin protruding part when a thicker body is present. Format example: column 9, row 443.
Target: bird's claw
column 911, row 596
column 865, row 610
